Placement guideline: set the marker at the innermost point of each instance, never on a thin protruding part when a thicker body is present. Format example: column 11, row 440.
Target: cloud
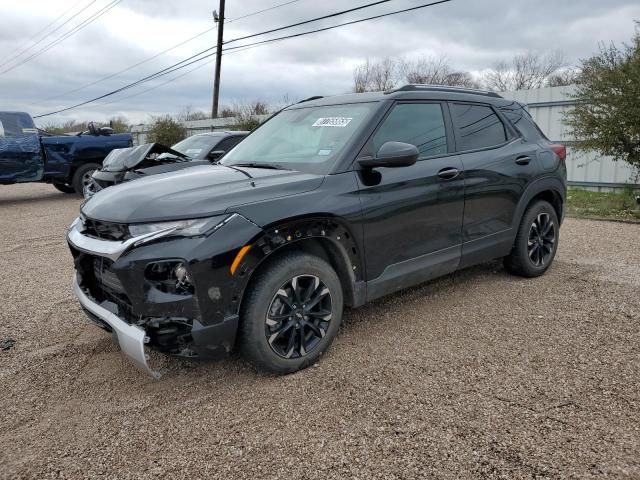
column 472, row 35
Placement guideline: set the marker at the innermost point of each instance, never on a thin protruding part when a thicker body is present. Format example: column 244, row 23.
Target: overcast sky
column 471, row 34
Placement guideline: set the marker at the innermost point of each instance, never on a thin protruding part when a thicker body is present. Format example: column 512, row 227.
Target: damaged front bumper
column 122, row 286
column 131, row 338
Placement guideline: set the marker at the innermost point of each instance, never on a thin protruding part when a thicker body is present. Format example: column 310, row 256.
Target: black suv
column 333, row 202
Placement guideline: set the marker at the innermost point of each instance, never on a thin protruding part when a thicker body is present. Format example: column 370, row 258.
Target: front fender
column 329, row 234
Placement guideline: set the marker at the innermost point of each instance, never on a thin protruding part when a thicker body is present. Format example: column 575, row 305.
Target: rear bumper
column 130, row 337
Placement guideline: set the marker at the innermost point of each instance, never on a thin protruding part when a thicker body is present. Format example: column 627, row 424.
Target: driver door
column 413, row 215
column 21, row 158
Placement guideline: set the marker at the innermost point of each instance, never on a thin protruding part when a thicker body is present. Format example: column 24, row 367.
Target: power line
column 212, row 48
column 295, row 35
column 108, row 77
column 50, row 33
column 70, row 33
column 336, row 14
column 191, row 60
column 173, row 79
column 262, row 11
column 153, row 76
column 46, row 27
column 131, row 67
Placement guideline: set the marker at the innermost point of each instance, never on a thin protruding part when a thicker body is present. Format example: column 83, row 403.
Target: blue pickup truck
column 28, row 154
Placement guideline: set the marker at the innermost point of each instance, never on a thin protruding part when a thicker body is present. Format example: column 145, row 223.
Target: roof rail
column 414, row 87
column 317, row 97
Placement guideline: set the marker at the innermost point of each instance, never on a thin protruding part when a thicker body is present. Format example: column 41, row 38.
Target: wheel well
column 329, row 252
column 553, row 198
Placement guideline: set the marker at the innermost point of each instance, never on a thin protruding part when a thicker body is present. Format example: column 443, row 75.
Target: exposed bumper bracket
column 130, row 337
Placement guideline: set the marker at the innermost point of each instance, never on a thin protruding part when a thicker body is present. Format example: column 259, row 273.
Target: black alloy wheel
column 542, row 239
column 291, row 313
column 536, row 242
column 299, row 316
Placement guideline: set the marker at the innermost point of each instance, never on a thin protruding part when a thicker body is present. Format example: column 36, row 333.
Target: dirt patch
column 476, row 375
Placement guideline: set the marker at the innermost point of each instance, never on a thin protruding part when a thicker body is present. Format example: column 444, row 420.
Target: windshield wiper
column 270, row 166
column 232, row 167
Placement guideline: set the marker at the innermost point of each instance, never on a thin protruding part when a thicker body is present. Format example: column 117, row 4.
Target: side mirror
column 106, row 131
column 392, row 155
column 216, row 154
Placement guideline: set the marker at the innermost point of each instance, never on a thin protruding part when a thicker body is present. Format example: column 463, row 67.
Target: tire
column 64, row 188
column 269, row 321
column 82, row 176
column 532, row 254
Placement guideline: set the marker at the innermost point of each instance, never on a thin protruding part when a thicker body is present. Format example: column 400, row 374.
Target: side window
column 228, row 143
column 479, row 126
column 420, row 124
column 523, row 122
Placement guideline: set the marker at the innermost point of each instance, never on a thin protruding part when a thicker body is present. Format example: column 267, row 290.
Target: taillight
column 560, row 150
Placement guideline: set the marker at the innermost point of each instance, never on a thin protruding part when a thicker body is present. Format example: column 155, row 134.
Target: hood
column 194, row 192
column 123, row 159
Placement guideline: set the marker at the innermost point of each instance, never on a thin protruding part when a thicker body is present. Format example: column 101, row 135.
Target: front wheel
column 291, row 313
column 64, row 188
column 83, row 176
column 536, row 242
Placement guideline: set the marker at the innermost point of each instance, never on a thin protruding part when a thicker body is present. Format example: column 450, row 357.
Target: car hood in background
column 123, row 159
column 193, row 193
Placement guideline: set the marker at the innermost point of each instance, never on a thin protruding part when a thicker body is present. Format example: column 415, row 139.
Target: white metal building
column 593, row 171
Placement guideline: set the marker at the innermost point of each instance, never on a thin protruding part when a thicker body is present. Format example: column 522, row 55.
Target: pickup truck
column 28, row 154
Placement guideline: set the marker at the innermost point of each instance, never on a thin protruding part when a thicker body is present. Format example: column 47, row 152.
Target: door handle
column 524, row 160
column 449, row 173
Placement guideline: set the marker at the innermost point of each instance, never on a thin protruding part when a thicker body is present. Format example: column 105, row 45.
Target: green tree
column 166, row 130
column 607, row 118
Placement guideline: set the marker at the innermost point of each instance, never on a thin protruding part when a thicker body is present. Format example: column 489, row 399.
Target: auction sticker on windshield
column 332, row 122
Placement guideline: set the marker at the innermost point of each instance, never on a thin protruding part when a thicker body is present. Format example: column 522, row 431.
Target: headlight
column 186, row 228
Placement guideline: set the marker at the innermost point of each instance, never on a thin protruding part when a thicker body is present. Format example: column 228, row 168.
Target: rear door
column 498, row 165
column 21, row 158
column 412, row 215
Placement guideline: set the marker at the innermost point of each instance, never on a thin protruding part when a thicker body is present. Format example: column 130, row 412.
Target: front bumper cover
column 131, row 338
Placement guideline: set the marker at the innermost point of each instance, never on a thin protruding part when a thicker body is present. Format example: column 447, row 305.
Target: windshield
column 198, row 146
column 304, row 139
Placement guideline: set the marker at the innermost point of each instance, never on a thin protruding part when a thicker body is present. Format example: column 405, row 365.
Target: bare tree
column 435, row 71
column 188, row 113
column 385, row 74
column 461, row 79
column 425, row 70
column 375, row 76
column 525, row 71
column 362, row 77
column 562, row 78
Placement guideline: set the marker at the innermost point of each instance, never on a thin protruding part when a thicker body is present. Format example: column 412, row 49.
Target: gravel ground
column 477, row 375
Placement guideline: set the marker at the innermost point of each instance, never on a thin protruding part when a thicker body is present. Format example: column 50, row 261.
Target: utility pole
column 219, row 18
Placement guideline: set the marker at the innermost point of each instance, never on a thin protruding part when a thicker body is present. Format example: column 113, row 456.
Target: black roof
column 409, row 92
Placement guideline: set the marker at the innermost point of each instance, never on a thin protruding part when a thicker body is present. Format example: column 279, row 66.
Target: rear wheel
column 291, row 313
column 64, row 188
column 536, row 242
column 82, row 176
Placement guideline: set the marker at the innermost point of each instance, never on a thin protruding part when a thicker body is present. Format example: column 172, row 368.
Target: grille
column 105, row 276
column 104, row 284
column 106, row 230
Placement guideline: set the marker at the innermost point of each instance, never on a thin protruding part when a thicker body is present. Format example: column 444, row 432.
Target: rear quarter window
column 16, row 125
column 523, row 122
column 478, row 126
